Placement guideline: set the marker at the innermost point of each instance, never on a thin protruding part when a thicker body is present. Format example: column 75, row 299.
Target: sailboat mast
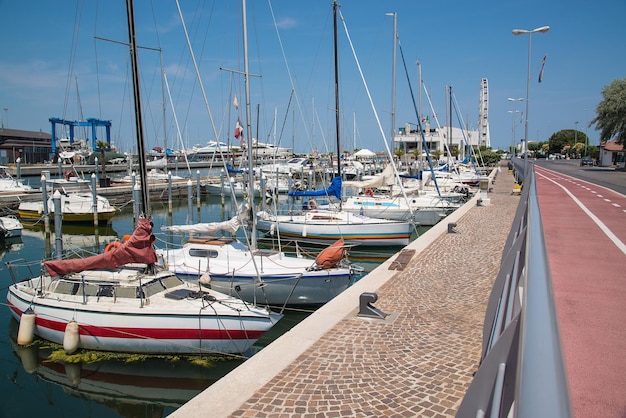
column 246, row 77
column 335, row 6
column 145, row 200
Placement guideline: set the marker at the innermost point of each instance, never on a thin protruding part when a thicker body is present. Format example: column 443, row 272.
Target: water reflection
column 131, row 385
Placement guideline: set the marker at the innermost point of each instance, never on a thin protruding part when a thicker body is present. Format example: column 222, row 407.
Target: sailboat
column 120, row 301
column 231, row 266
column 325, row 225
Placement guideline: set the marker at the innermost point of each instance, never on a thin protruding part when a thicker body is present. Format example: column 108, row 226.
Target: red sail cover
column 138, row 249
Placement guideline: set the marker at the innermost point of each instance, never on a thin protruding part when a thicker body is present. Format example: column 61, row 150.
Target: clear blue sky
column 52, row 66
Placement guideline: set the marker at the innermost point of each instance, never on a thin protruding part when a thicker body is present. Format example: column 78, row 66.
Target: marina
column 122, row 386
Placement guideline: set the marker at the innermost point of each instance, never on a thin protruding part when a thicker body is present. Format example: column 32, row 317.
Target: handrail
column 521, row 373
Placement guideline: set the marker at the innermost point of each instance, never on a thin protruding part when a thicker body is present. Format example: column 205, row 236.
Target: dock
column 421, row 358
column 417, row 361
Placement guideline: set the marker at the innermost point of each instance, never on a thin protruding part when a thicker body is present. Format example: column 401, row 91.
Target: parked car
column 586, row 161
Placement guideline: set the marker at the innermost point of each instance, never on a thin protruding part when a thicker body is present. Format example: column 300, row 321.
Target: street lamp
column 6, row 119
column 575, row 133
column 516, row 32
column 513, row 112
column 586, row 137
column 521, row 99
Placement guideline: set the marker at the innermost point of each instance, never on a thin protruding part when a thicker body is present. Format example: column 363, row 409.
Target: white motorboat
column 9, row 184
column 77, row 203
column 10, row 227
column 114, row 302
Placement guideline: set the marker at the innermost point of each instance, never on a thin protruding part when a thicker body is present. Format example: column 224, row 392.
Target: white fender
column 71, row 337
column 205, row 279
column 26, row 331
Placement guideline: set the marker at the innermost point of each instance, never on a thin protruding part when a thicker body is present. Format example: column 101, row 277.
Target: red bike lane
column 585, row 230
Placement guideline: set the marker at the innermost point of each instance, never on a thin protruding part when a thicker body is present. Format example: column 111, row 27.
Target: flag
column 239, row 130
column 236, row 103
column 543, row 63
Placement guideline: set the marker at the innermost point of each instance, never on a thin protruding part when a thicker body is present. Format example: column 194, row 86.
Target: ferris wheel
column 483, row 112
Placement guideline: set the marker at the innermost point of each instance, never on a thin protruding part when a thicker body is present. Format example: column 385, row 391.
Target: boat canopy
column 386, row 178
column 333, row 190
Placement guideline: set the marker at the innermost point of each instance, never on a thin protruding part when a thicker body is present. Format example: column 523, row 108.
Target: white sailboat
column 120, row 301
column 233, row 267
column 325, row 225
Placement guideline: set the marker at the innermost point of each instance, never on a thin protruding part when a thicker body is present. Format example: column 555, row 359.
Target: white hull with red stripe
column 127, row 310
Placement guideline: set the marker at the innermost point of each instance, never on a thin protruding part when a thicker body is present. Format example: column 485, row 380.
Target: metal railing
column 521, row 373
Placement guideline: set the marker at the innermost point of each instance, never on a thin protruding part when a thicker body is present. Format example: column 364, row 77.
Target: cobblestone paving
column 420, row 360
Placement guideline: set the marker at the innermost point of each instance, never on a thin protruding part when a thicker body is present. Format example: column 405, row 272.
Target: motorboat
column 10, row 184
column 154, row 175
column 77, row 202
column 119, row 301
column 10, row 227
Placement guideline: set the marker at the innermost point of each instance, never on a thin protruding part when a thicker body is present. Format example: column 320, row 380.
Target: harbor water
column 36, row 384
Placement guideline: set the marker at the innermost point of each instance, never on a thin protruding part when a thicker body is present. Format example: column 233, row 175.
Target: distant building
column 612, row 153
column 454, row 139
column 31, row 146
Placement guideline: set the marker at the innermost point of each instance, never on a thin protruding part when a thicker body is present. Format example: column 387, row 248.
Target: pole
column 525, row 142
column 516, row 32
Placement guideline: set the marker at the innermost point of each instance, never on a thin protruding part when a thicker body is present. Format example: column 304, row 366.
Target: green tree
column 102, row 146
column 559, row 141
column 611, row 112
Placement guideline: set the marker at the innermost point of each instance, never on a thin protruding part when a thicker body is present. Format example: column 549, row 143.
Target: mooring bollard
column 366, row 308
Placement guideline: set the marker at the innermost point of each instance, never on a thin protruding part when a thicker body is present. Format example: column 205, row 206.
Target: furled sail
column 138, row 249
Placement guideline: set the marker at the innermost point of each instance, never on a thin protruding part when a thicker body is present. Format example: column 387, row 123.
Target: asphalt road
column 602, row 176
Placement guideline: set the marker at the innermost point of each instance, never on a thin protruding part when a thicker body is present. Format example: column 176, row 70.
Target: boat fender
column 312, row 204
column 71, row 337
column 205, row 279
column 111, row 245
column 26, row 330
column 125, row 237
column 369, row 193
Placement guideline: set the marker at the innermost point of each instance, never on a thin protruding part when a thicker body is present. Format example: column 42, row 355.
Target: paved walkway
column 418, row 361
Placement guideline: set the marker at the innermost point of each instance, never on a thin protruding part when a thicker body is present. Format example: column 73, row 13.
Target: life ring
column 312, row 204
column 369, row 192
column 111, row 245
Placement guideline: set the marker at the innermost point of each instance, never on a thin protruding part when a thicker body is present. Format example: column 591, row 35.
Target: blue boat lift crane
column 93, row 122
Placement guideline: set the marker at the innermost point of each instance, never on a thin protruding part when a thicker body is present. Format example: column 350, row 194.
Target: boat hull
column 268, row 277
column 323, row 227
column 156, row 326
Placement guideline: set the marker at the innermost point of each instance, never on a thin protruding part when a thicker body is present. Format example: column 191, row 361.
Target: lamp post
column 513, row 112
column 6, row 118
column 586, row 137
column 575, row 133
column 516, row 32
column 521, row 99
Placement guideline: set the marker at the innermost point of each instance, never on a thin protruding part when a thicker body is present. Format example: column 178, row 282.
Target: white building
column 450, row 138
